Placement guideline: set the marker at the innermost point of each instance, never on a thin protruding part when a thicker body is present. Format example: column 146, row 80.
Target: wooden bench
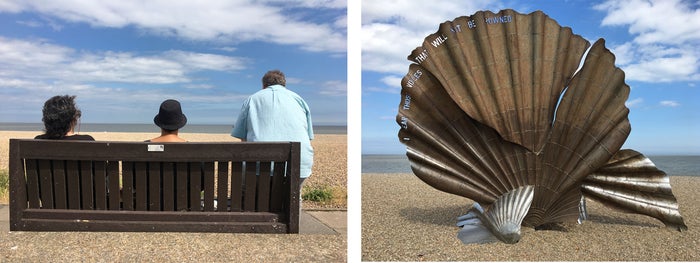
column 140, row 186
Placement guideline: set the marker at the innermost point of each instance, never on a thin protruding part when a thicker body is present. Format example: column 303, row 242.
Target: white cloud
column 16, row 54
column 30, row 23
column 334, row 88
column 228, row 49
column 202, row 61
column 223, row 21
column 648, row 67
column 657, row 21
column 311, row 3
column 198, row 86
column 392, row 85
column 392, row 81
column 391, row 30
column 385, row 47
column 624, row 54
column 634, row 103
column 380, row 89
column 669, row 103
column 666, row 35
column 51, row 63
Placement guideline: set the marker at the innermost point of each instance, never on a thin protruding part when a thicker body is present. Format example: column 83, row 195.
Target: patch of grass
column 4, row 186
column 322, row 194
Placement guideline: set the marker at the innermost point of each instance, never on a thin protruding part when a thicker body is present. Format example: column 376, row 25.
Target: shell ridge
column 588, row 146
column 644, row 189
column 465, row 138
column 437, row 177
column 482, row 139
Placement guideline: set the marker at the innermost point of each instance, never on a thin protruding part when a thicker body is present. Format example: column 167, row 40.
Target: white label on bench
column 156, row 148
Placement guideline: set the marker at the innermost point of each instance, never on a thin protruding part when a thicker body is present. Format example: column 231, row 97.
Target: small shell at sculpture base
column 501, row 222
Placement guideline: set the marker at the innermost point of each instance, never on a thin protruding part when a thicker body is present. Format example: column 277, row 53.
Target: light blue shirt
column 277, row 114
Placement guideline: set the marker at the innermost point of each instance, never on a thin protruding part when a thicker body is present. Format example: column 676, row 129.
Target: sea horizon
column 150, row 127
column 671, row 164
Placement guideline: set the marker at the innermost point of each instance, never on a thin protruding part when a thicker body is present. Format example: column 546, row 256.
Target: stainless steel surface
column 502, row 220
column 492, row 103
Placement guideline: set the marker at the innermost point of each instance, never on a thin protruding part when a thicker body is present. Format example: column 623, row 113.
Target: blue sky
column 123, row 58
column 656, row 43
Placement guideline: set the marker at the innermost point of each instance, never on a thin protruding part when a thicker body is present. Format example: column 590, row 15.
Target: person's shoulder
column 79, row 137
column 259, row 94
column 291, row 93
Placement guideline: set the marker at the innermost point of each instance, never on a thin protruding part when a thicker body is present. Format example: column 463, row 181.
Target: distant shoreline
column 678, row 164
column 140, row 127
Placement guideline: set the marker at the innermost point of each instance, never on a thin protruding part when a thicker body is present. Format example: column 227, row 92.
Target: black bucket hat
column 170, row 116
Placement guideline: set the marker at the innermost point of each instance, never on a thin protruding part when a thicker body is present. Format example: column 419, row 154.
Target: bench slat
column 141, row 186
column 86, row 186
column 264, row 187
column 251, row 184
column 163, row 216
column 73, row 184
column 181, row 182
column 138, row 151
column 208, row 170
column 113, row 194
column 45, row 184
column 128, row 180
column 236, row 186
column 277, row 189
column 151, row 226
column 154, row 186
column 195, row 186
column 59, row 185
column 100, row 180
column 222, row 187
column 33, row 184
column 168, row 186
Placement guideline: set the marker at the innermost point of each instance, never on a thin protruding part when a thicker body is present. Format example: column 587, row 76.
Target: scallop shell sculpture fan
column 494, row 109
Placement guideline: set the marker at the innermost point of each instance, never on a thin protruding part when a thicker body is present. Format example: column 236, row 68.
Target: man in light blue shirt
column 277, row 114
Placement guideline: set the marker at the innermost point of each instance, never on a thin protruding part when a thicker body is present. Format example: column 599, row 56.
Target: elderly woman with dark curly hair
column 60, row 118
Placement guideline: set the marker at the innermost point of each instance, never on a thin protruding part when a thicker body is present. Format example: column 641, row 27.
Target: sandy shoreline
column 404, row 219
column 329, row 170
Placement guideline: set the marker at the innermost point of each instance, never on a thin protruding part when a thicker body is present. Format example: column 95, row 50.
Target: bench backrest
column 215, row 183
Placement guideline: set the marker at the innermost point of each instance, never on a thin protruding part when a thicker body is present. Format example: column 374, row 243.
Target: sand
column 404, row 219
column 329, row 170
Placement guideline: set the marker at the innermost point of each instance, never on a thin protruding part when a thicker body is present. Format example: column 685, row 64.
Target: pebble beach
column 404, row 219
column 329, row 170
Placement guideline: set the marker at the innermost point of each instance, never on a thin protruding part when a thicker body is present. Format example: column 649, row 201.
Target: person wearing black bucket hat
column 170, row 119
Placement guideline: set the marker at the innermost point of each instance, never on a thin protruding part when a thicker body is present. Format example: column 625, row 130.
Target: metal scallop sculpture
column 493, row 109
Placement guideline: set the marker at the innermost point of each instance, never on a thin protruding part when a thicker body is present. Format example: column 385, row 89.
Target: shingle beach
column 404, row 219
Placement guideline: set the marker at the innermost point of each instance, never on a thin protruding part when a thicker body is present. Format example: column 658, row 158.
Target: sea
column 686, row 165
column 131, row 127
